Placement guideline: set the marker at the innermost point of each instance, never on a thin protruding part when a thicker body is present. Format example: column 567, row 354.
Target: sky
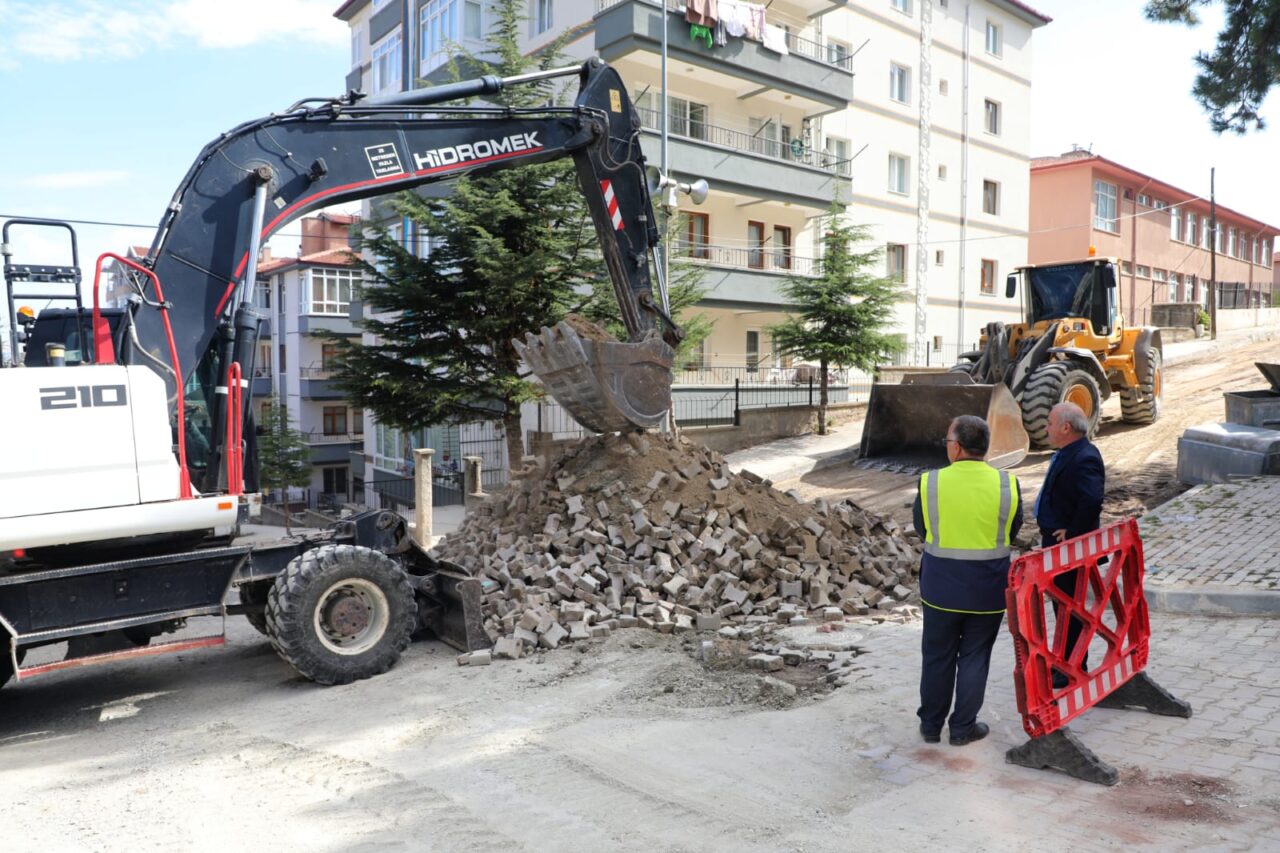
column 107, row 102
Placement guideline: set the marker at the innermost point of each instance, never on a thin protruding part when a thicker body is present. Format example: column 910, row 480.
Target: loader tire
column 965, row 367
column 1142, row 405
column 1054, row 383
column 340, row 613
column 255, row 594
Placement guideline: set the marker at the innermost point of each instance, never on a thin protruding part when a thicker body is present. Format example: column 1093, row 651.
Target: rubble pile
column 651, row 530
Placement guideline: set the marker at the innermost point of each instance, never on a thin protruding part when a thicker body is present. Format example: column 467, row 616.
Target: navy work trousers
column 957, row 656
column 1067, row 583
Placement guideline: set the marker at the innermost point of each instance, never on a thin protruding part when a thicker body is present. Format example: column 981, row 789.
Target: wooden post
column 422, row 504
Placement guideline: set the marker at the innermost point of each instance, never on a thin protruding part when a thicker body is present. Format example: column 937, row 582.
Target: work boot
column 978, row 732
column 930, row 737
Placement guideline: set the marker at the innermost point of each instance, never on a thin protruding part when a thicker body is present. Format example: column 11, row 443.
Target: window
column 1126, row 268
column 937, row 343
column 332, row 291
column 995, row 41
column 335, row 420
column 1175, row 226
column 695, row 358
column 1266, row 254
column 1257, row 251
column 901, row 5
column 942, row 86
column 1175, row 288
column 898, row 167
column 328, row 356
column 335, row 481
column 895, row 256
column 262, row 295
column 359, row 43
column 1104, row 202
column 697, row 235
column 899, row 83
column 753, row 350
column 991, row 197
column 755, row 245
column 438, row 29
column 1221, row 239
column 390, row 450
column 1144, row 272
column 541, row 10
column 357, row 421
column 386, row 64
column 838, row 154
column 837, row 53
column 1159, row 205
column 688, row 118
column 938, row 257
column 942, row 171
column 988, row 285
column 473, row 20
column 1144, row 199
column 1246, row 247
column 991, row 117
column 1159, row 276
column 781, row 247
column 1232, row 247
column 1192, row 233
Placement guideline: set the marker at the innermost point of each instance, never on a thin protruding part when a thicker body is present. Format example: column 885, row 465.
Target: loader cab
column 1082, row 289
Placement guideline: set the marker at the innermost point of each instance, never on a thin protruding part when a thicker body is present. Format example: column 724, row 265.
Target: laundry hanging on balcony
column 704, row 13
column 742, row 20
column 775, row 39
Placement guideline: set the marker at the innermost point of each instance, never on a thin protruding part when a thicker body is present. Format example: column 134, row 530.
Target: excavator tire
column 1142, row 404
column 340, row 613
column 255, row 594
column 1053, row 383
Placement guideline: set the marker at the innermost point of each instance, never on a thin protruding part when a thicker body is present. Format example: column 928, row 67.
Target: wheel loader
column 119, row 510
column 1073, row 346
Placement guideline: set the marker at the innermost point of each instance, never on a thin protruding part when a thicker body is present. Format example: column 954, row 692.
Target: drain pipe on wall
column 922, row 184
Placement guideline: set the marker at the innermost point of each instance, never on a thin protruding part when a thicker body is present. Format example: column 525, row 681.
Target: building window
column 991, row 117
column 335, row 420
column 359, row 43
column 357, row 421
column 1175, row 226
column 688, row 118
column 755, row 245
column 386, row 64
column 1193, row 229
column 753, row 350
column 697, row 235
column 332, row 291
column 988, row 285
column 1257, row 251
column 937, row 343
column 895, row 255
column 1231, row 242
column 1126, row 268
column 781, row 247
column 1143, row 271
column 335, row 481
column 473, row 20
column 1221, row 239
column 541, row 10
column 837, row 53
column 938, row 257
column 837, row 150
column 328, row 356
column 437, row 30
column 1160, row 205
column 262, row 295
column 942, row 171
column 995, row 40
column 903, row 6
column 1104, row 202
column 1175, row 287
column 1266, row 254
column 898, row 168
column 991, row 197
column 1144, row 199
column 899, row 83
column 942, row 86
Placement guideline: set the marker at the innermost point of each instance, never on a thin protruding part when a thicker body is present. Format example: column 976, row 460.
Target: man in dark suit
column 1070, row 501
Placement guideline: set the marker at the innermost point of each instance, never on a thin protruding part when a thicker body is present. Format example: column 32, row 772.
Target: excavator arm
column 254, row 179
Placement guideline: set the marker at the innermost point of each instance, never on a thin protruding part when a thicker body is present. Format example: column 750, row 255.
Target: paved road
column 631, row 745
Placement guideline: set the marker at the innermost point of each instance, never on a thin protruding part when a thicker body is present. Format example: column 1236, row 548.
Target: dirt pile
column 654, row 531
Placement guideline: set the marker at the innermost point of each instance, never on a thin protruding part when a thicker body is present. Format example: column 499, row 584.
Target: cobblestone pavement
column 1223, row 536
column 1207, row 783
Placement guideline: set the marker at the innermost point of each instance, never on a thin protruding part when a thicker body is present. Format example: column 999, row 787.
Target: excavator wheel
column 1054, row 383
column 1142, row 404
column 340, row 613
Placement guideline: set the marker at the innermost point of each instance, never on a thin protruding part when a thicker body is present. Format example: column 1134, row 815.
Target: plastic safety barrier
column 1107, row 599
column 1108, row 562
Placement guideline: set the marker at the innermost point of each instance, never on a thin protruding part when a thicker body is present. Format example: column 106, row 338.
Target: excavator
column 1074, row 346
column 119, row 512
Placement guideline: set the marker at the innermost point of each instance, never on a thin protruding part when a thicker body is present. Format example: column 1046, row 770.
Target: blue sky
column 108, row 101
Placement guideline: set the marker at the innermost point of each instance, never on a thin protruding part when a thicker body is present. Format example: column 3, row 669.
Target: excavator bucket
column 906, row 425
column 606, row 385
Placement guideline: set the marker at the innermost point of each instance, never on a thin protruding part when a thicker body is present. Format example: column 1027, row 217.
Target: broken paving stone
column 768, row 663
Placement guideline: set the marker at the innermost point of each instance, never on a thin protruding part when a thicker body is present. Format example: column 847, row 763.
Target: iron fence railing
column 317, row 371
column 332, row 438
column 764, row 258
column 787, row 151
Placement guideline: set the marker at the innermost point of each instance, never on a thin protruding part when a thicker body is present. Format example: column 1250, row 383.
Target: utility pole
column 1213, row 259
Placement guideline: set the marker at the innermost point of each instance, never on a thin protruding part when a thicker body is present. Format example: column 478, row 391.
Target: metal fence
column 765, row 257
column 485, row 439
column 1241, row 295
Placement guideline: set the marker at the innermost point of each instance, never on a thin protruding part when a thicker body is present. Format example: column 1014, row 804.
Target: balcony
column 736, row 161
column 317, row 383
column 738, row 276
column 261, row 386
column 326, row 448
column 309, row 324
column 808, row 70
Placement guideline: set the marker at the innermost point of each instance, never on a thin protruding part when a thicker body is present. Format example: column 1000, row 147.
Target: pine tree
column 1234, row 80
column 284, row 459
column 509, row 252
column 839, row 317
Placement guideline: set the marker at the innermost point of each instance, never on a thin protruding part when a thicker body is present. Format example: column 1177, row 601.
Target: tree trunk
column 515, row 441
column 822, row 398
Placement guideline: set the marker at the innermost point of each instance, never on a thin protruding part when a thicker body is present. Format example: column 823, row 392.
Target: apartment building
column 1160, row 232
column 306, row 295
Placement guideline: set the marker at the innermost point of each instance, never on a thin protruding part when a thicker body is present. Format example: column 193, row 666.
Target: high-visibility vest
column 968, row 511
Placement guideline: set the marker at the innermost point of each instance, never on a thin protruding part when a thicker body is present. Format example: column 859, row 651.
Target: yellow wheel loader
column 1073, row 347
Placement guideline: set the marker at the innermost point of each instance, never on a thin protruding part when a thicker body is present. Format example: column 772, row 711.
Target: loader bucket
column 606, row 385
column 906, row 425
column 452, row 608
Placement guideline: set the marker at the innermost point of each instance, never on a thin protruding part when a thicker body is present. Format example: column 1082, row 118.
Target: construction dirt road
column 1141, row 460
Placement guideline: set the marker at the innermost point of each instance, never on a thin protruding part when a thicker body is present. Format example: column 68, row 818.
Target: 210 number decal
column 83, row 396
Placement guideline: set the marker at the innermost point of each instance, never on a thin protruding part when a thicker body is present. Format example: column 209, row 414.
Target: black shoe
column 930, row 737
column 978, row 732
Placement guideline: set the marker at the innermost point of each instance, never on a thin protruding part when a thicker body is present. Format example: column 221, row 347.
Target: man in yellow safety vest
column 967, row 514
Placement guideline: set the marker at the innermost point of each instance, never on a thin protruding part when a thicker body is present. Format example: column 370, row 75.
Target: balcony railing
column 764, row 372
column 795, row 44
column 762, row 258
column 788, row 152
column 317, row 371
column 332, row 438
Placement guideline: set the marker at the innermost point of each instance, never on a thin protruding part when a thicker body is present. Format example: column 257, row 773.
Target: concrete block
column 768, row 663
column 552, row 637
column 509, row 648
column 709, row 622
